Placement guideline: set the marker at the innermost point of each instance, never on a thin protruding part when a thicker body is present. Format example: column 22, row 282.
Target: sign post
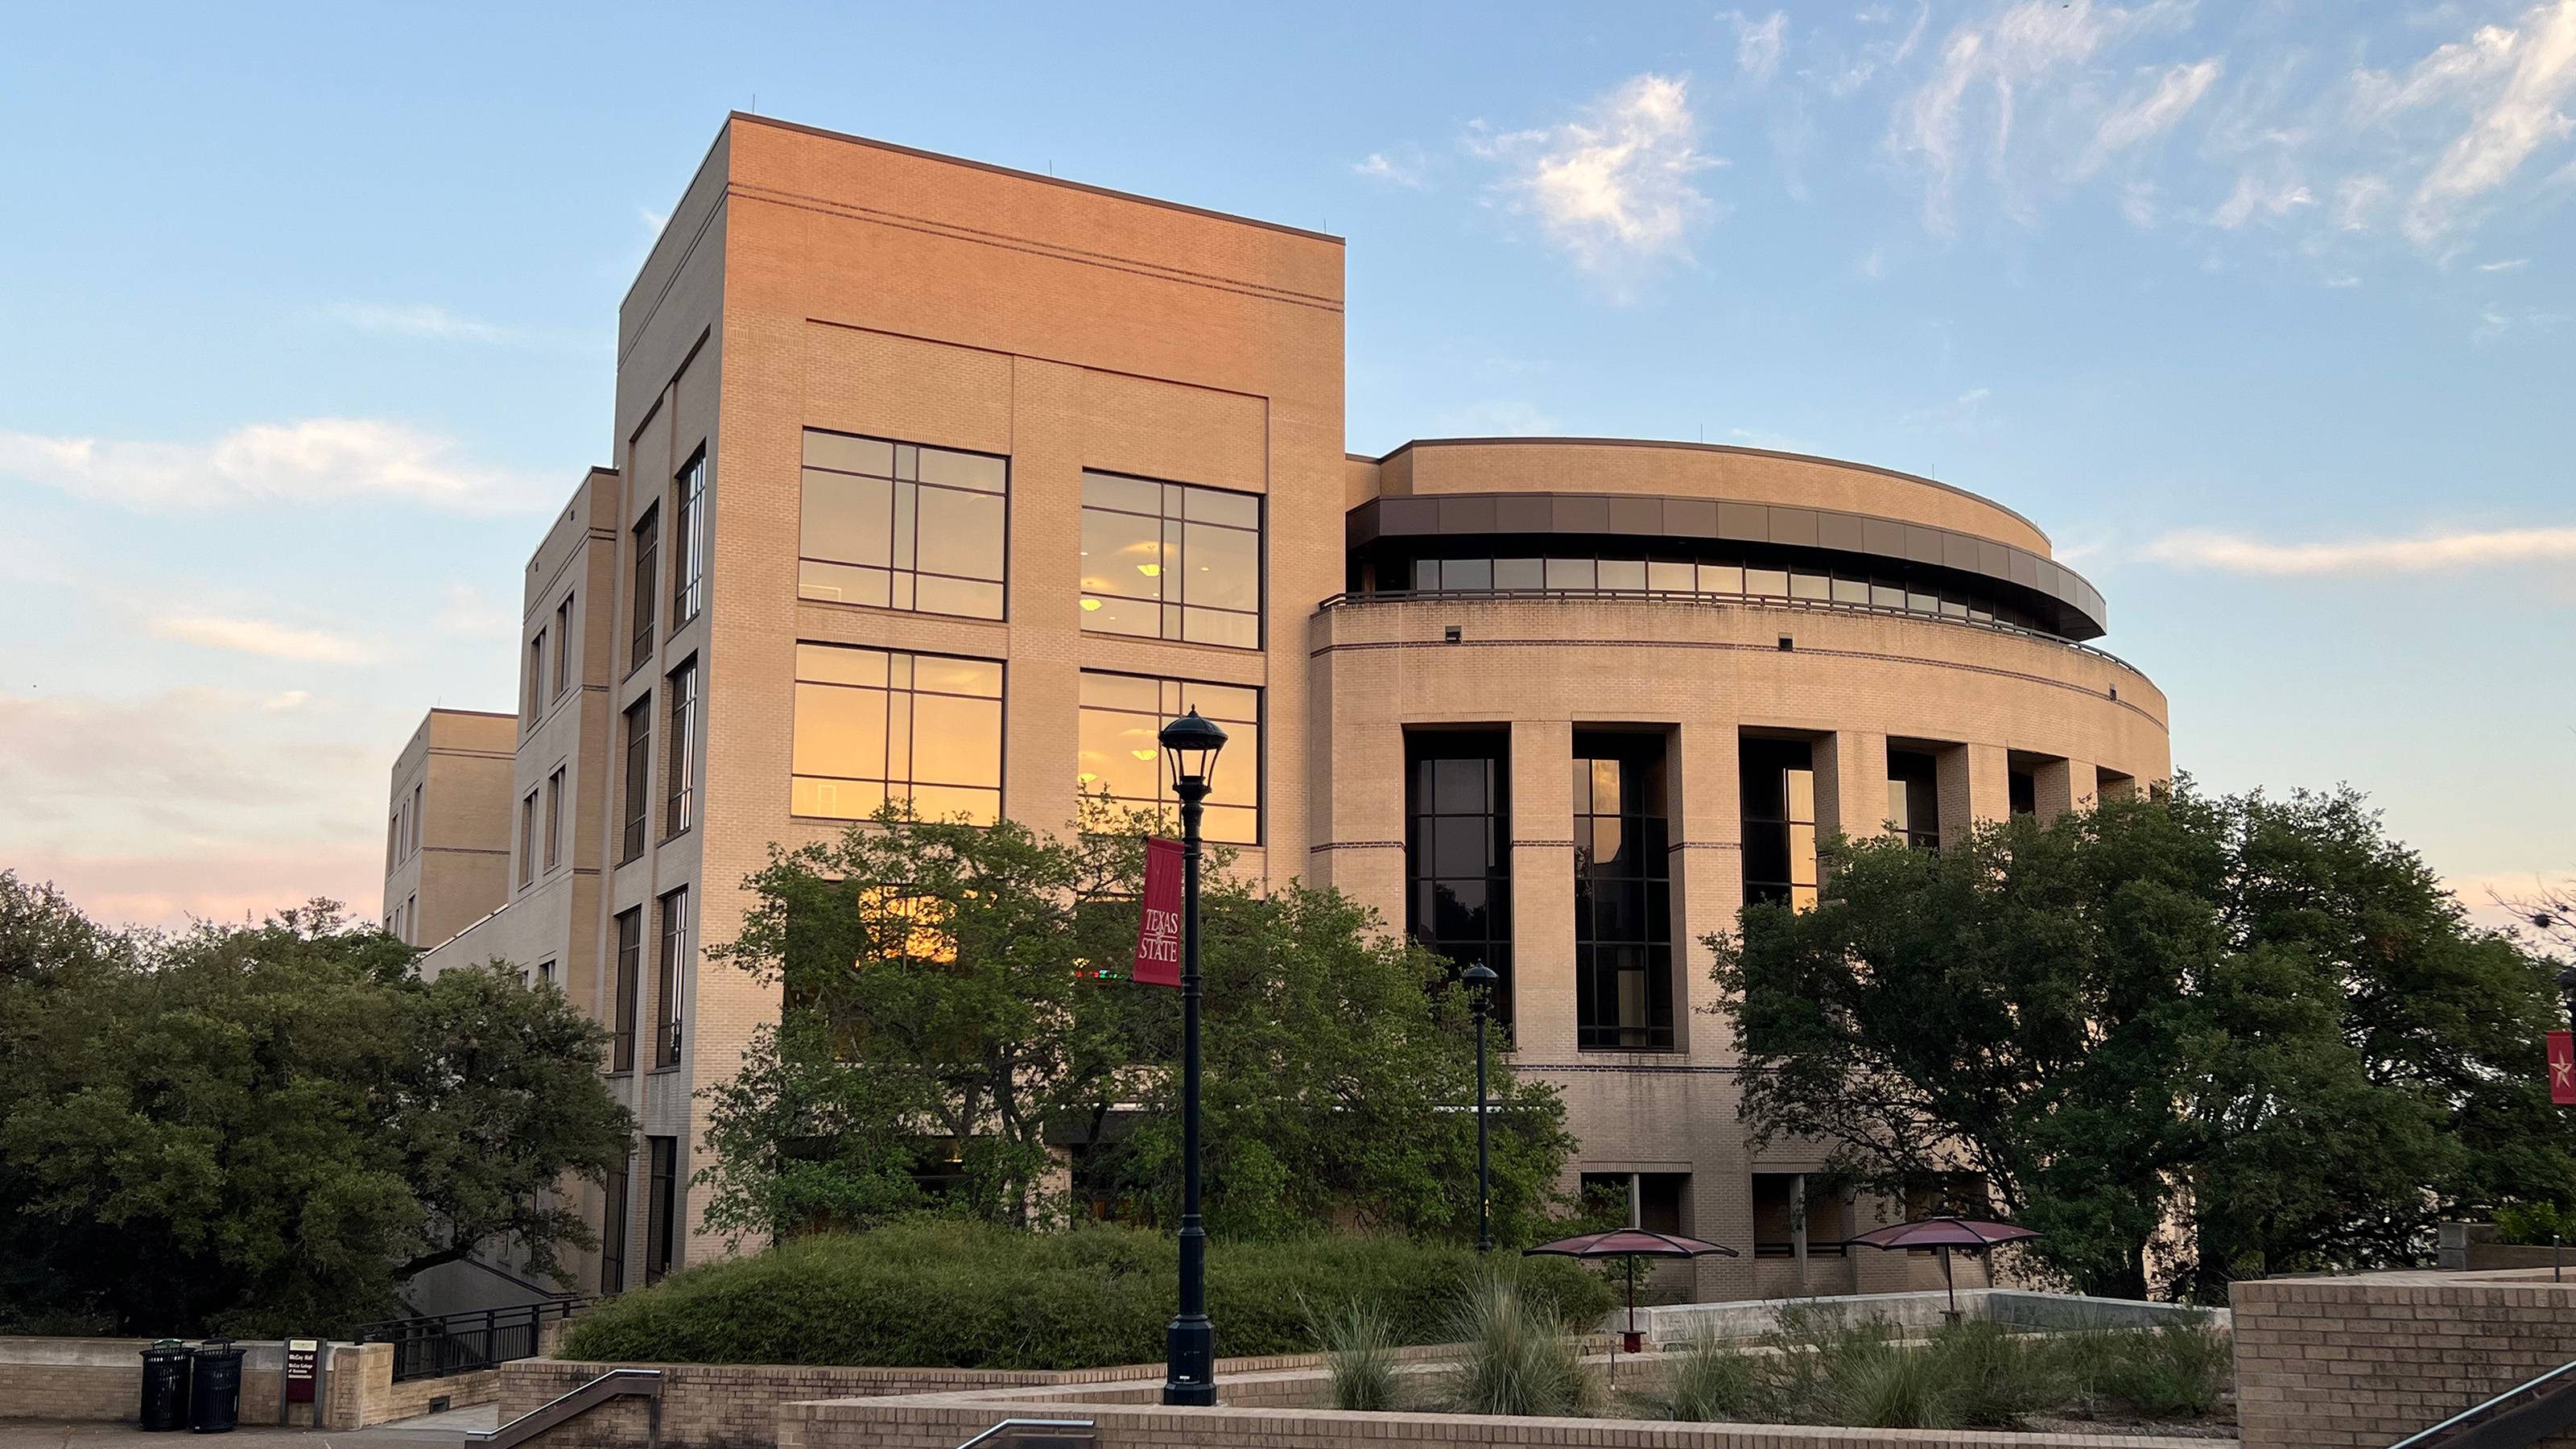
column 303, row 1375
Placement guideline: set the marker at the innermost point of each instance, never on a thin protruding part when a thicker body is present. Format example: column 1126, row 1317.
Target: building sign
column 303, row 1368
column 2562, row 1068
column 1158, row 925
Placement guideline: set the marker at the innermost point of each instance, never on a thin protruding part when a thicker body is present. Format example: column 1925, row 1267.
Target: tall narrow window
column 873, row 726
column 411, row 919
column 393, row 840
column 670, row 978
column 1171, row 561
column 638, row 803
column 1779, row 803
column 415, row 817
column 661, row 1205
column 680, row 751
column 1623, row 921
column 536, row 694
column 1914, row 798
column 899, row 526
column 648, row 532
column 630, row 971
column 612, row 1224
column 1458, row 850
column 689, row 540
column 563, row 646
column 528, row 840
column 1116, row 750
column 554, row 819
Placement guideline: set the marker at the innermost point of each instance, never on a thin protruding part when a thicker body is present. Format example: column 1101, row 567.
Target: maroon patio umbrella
column 1631, row 1244
column 1945, row 1233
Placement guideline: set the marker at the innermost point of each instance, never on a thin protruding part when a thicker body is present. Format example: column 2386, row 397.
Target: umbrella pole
column 1950, row 1282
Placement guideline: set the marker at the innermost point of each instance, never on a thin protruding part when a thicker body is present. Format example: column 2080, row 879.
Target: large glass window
column 873, row 725
column 1119, row 718
column 670, row 978
column 1623, row 924
column 528, row 840
column 630, row 973
column 680, row 751
column 648, row 534
column 1458, row 850
column 899, row 526
column 612, row 1225
column 689, row 540
column 1914, row 798
column 1778, row 780
column 661, row 1205
column 639, row 777
column 563, row 646
column 554, row 819
column 1579, row 569
column 1171, row 561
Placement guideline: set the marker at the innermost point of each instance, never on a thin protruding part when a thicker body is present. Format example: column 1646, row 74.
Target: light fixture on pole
column 1191, row 744
column 1480, row 979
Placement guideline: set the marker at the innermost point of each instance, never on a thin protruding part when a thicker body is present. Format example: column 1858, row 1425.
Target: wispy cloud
column 2433, row 553
column 421, row 319
column 2511, row 80
column 653, row 220
column 2255, row 195
column 1758, row 43
column 261, row 637
column 469, row 613
column 315, row 460
column 1616, row 187
column 2149, row 113
column 1961, row 409
column 2513, row 264
column 1393, row 170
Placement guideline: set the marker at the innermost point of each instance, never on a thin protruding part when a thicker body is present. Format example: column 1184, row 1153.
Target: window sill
column 662, row 1071
column 679, row 834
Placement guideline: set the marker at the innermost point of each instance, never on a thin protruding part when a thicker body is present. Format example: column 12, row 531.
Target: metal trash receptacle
column 165, row 1385
column 214, row 1388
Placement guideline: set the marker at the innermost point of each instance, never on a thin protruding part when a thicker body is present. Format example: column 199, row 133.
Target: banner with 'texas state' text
column 1158, row 925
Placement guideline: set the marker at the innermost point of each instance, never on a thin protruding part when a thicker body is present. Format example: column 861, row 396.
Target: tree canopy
column 2187, row 1038
column 267, row 1128
column 946, row 1040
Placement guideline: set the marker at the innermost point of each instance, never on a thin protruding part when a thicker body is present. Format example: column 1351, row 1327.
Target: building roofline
column 480, row 713
column 1896, row 473
column 1112, row 193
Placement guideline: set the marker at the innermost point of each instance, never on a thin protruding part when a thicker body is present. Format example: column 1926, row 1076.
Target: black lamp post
column 1480, row 979
column 1191, row 744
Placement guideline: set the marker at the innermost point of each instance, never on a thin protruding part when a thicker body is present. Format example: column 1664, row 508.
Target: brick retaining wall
column 2347, row 1363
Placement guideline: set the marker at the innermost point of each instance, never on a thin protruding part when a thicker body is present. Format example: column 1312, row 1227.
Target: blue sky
column 2262, row 310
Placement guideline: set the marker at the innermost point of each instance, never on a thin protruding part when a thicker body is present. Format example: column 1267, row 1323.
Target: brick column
column 1976, row 785
column 1708, row 877
column 2058, row 786
column 1542, row 834
column 1851, row 784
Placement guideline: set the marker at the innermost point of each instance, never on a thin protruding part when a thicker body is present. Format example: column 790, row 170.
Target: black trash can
column 165, row 1385
column 214, row 1389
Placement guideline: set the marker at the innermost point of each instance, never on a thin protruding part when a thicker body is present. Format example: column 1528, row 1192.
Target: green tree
column 2258, row 1021
column 269, row 1127
column 942, row 1017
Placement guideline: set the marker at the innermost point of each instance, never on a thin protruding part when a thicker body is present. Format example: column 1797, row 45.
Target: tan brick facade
column 815, row 281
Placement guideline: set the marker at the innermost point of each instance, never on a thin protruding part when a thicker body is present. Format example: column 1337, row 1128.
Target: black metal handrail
column 1693, row 596
column 2520, row 1415
column 1816, row 1248
column 455, row 1343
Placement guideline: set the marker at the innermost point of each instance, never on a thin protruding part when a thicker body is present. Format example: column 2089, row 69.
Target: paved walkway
column 429, row 1431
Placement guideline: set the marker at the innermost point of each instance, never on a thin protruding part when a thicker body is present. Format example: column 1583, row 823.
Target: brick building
column 942, row 481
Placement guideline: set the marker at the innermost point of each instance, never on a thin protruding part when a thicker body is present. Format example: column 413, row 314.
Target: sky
column 2266, row 312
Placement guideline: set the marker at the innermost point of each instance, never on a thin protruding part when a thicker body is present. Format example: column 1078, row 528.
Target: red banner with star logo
column 2562, row 1068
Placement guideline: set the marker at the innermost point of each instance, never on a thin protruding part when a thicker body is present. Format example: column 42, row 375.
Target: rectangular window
column 1119, row 717
column 630, row 971
column 1458, row 850
column 899, row 526
column 688, row 540
column 545, row 973
column 680, row 751
column 411, row 920
column 661, row 1205
column 393, row 840
column 648, row 532
column 2022, row 788
column 873, row 726
column 563, row 646
column 670, row 978
column 612, row 1225
column 415, row 816
column 1171, row 561
column 1914, row 798
column 639, row 777
column 536, row 692
column 528, row 840
column 554, row 819
column 1623, row 920
column 1778, row 780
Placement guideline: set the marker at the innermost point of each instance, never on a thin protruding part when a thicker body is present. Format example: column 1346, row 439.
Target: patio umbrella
column 1945, row 1233
column 1631, row 1244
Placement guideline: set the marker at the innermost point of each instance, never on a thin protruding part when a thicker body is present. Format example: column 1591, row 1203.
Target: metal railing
column 1691, row 596
column 455, row 1343
column 1816, row 1248
column 616, row 1383
column 1011, row 1426
column 2539, row 1407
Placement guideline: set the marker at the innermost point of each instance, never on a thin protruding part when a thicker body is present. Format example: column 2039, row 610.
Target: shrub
column 1711, row 1381
column 1359, row 1353
column 1992, row 1377
column 1519, row 1359
column 2174, row 1370
column 1890, row 1388
column 937, row 1292
column 2534, row 1223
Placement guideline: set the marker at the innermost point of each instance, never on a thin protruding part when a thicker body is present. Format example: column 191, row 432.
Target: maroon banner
column 2562, row 1069
column 1158, row 928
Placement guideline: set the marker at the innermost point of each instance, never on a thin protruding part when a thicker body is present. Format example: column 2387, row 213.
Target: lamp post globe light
column 1480, row 979
column 1191, row 744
